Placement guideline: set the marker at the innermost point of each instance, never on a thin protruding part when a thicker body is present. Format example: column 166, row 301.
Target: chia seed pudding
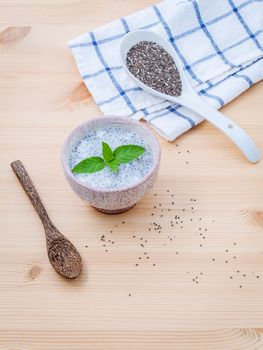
column 154, row 66
column 129, row 174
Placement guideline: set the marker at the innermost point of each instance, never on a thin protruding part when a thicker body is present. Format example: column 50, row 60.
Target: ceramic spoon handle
column 243, row 141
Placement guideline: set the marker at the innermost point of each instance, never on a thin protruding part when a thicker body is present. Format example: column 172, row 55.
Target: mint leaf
column 107, row 152
column 127, row 153
column 113, row 165
column 89, row 165
column 122, row 154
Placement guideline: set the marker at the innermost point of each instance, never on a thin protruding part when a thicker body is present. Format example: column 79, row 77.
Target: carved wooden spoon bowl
column 62, row 254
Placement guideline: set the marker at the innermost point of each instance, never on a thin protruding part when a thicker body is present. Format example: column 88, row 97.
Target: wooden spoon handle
column 30, row 190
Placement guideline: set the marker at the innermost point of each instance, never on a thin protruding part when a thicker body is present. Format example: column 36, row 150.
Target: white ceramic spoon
column 189, row 98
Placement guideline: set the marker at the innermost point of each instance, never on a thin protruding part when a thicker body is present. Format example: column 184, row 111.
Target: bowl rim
column 156, row 150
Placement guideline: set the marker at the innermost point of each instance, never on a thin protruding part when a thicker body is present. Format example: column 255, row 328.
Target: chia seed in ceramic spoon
column 154, row 66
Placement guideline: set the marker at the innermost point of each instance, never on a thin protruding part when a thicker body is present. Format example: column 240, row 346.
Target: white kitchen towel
column 219, row 43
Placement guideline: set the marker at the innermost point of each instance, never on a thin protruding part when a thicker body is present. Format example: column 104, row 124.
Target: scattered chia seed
column 155, row 67
column 168, row 238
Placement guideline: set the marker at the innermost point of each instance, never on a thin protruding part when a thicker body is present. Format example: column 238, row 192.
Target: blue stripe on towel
column 212, row 41
column 174, row 110
column 88, row 76
column 209, row 36
column 238, row 43
column 237, row 73
column 125, row 25
column 213, row 21
column 111, row 76
column 242, row 21
column 111, row 38
column 100, row 103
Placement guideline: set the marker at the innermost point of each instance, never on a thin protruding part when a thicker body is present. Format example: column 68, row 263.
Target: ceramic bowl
column 117, row 200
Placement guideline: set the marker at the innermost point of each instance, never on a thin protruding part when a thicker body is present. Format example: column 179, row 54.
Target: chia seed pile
column 128, row 174
column 155, row 67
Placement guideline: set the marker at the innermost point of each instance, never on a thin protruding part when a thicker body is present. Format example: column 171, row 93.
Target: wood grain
column 12, row 35
column 183, row 296
column 219, row 339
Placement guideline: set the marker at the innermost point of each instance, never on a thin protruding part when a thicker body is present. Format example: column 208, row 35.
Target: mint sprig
column 89, row 165
column 121, row 155
column 113, row 165
column 127, row 153
column 107, row 152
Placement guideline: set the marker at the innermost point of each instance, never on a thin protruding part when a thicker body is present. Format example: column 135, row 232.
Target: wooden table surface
column 200, row 283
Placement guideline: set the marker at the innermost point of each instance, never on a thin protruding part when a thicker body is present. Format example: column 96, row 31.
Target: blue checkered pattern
column 219, row 43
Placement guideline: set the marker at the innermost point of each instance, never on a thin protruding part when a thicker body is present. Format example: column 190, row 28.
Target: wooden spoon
column 62, row 254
